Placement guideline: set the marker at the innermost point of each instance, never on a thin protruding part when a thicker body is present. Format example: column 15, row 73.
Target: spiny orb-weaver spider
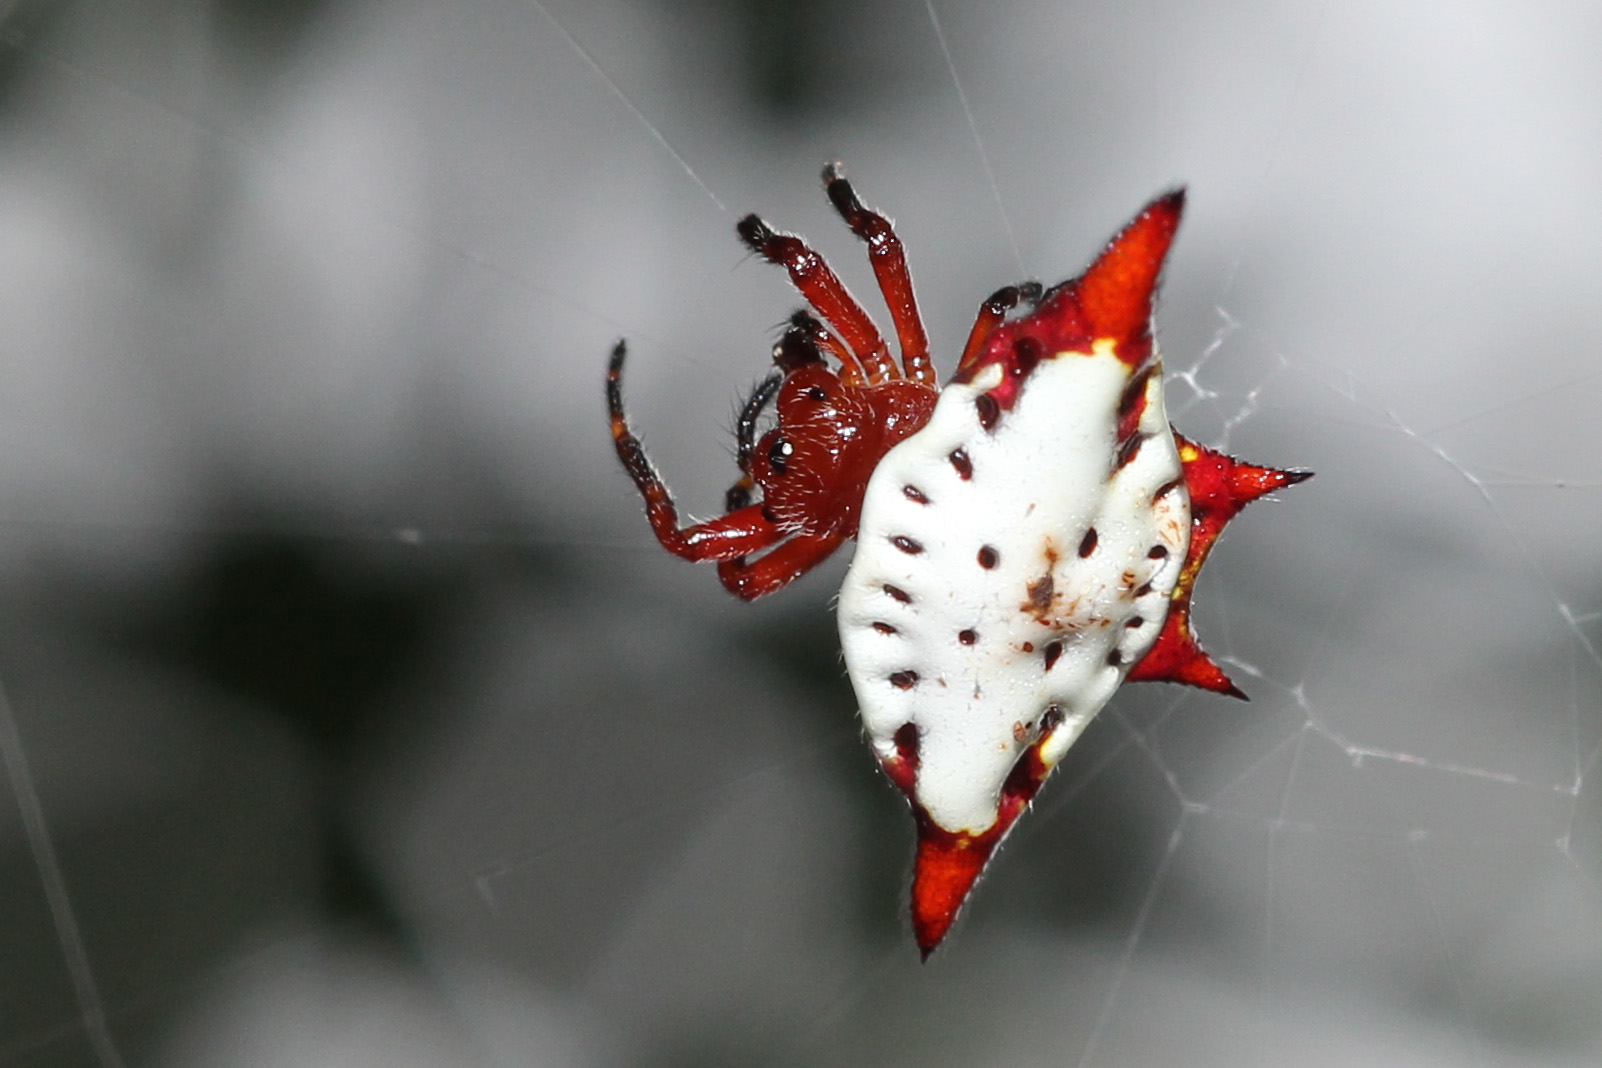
column 1029, row 535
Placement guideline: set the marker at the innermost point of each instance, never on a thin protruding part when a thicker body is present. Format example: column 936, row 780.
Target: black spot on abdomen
column 988, row 409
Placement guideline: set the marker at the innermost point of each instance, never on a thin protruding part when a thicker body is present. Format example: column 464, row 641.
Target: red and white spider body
column 1028, row 537
column 1016, row 558
column 1004, row 608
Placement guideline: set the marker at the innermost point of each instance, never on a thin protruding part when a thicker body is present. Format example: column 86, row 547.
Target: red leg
column 823, row 289
column 889, row 262
column 991, row 314
column 786, row 563
column 728, row 537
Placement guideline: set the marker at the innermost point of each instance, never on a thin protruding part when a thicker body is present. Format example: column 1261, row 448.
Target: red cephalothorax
column 833, row 425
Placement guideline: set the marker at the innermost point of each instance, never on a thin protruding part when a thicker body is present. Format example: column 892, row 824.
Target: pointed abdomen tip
column 947, row 867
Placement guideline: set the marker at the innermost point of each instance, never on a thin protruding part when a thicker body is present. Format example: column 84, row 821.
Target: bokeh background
column 352, row 716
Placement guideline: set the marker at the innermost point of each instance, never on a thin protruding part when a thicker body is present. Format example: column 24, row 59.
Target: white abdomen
column 1006, row 580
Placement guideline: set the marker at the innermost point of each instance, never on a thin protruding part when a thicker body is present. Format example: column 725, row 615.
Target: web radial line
column 1133, row 941
column 1581, row 764
column 1256, row 765
column 623, row 98
column 21, row 43
column 1511, row 478
column 481, row 879
column 1502, row 406
column 1269, row 903
column 1574, row 623
column 1276, row 827
column 1290, row 776
column 1291, row 103
column 848, row 995
column 1583, row 641
column 1393, row 419
column 1589, row 762
column 1364, row 752
column 1144, row 746
column 978, row 142
column 1438, row 932
column 1529, row 557
column 1061, row 801
column 91, row 1011
column 1522, row 544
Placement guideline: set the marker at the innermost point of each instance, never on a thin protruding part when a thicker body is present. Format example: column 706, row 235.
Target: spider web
column 350, row 711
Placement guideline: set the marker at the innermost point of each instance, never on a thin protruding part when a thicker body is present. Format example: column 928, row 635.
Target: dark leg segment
column 889, row 262
column 734, row 535
column 808, row 341
column 991, row 314
column 804, row 343
column 823, row 289
column 739, row 494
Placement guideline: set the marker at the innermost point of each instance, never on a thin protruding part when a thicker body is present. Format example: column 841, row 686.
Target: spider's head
column 807, row 465
column 814, row 466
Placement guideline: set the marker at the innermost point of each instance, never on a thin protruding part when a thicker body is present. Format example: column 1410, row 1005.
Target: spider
column 1029, row 535
column 833, row 425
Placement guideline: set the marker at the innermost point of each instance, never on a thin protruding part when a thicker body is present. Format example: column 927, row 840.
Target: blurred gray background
column 354, row 717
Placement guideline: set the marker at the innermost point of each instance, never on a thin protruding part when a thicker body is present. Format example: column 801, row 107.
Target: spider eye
column 817, row 393
column 779, row 455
